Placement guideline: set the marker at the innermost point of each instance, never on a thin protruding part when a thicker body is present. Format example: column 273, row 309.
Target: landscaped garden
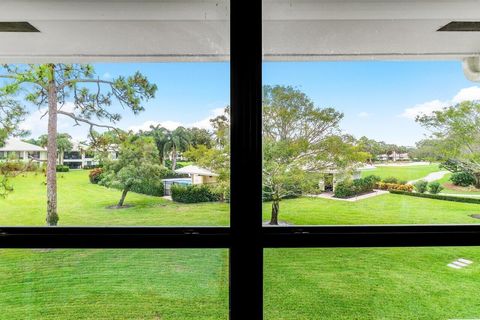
column 402, row 172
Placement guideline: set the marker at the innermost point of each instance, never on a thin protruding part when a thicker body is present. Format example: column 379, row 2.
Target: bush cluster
column 421, row 186
column 95, row 175
column 463, row 179
column 348, row 189
column 193, row 193
column 62, row 168
column 435, row 187
column 394, row 186
column 12, row 166
column 438, row 197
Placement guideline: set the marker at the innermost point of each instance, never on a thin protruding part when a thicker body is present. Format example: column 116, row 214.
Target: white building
column 198, row 175
column 20, row 150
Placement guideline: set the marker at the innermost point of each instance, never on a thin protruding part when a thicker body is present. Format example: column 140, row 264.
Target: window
column 247, row 236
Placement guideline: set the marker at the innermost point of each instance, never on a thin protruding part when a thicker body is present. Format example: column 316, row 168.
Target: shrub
column 149, row 187
column 438, row 197
column 463, row 179
column 62, row 168
column 11, row 166
column 344, row 190
column 421, row 186
column 394, row 186
column 391, row 180
column 95, row 175
column 435, row 187
column 402, row 181
column 192, row 193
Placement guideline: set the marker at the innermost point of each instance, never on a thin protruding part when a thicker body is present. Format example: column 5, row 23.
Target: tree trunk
column 174, row 158
column 52, row 215
column 275, row 210
column 61, row 155
column 122, row 199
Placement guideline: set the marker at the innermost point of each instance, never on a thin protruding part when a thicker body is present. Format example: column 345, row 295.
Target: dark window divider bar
column 220, row 237
column 246, row 252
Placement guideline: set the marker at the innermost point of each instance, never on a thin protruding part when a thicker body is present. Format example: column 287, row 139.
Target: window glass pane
column 142, row 135
column 374, row 283
column 113, row 284
column 362, row 125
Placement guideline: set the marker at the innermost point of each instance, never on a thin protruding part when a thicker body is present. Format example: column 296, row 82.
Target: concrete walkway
column 329, row 195
column 431, row 177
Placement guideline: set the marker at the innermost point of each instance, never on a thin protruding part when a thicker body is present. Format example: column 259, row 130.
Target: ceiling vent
column 17, row 27
column 465, row 26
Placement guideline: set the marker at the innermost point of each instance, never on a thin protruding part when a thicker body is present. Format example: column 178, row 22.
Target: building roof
column 191, row 169
column 19, row 145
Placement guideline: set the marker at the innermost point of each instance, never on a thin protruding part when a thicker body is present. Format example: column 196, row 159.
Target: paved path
column 431, row 177
column 329, row 195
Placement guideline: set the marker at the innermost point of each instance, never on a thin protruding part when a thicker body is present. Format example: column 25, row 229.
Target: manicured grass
column 395, row 283
column 299, row 284
column 81, row 203
column 113, row 284
column 406, row 173
column 383, row 209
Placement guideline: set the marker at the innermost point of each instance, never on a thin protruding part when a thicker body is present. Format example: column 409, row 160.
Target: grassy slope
column 397, row 283
column 81, row 203
column 383, row 209
column 402, row 172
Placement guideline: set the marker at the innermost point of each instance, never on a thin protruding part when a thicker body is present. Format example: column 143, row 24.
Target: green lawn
column 193, row 284
column 300, row 284
column 383, row 209
column 406, row 173
column 397, row 283
column 113, row 284
column 83, row 204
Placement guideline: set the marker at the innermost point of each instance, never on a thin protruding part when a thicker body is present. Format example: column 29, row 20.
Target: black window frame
column 245, row 238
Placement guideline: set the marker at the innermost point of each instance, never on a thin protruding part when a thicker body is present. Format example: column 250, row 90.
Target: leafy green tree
column 137, row 163
column 221, row 127
column 51, row 86
column 160, row 136
column 64, row 144
column 300, row 138
column 200, row 137
column 428, row 149
column 12, row 113
column 458, row 127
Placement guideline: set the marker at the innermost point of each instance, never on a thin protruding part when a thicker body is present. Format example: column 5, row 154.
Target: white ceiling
column 190, row 30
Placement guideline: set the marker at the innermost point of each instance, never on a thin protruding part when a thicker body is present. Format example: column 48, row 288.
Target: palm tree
column 160, row 135
column 64, row 144
column 177, row 140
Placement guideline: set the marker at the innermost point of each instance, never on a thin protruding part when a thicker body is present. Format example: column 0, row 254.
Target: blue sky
column 379, row 99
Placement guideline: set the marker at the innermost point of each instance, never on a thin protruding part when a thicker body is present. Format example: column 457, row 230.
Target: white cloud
column 363, row 114
column 467, row 94
column 424, row 108
column 171, row 125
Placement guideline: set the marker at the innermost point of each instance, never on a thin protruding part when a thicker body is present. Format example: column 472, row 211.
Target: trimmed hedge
column 62, row 168
column 151, row 188
column 193, row 194
column 356, row 187
column 438, row 197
